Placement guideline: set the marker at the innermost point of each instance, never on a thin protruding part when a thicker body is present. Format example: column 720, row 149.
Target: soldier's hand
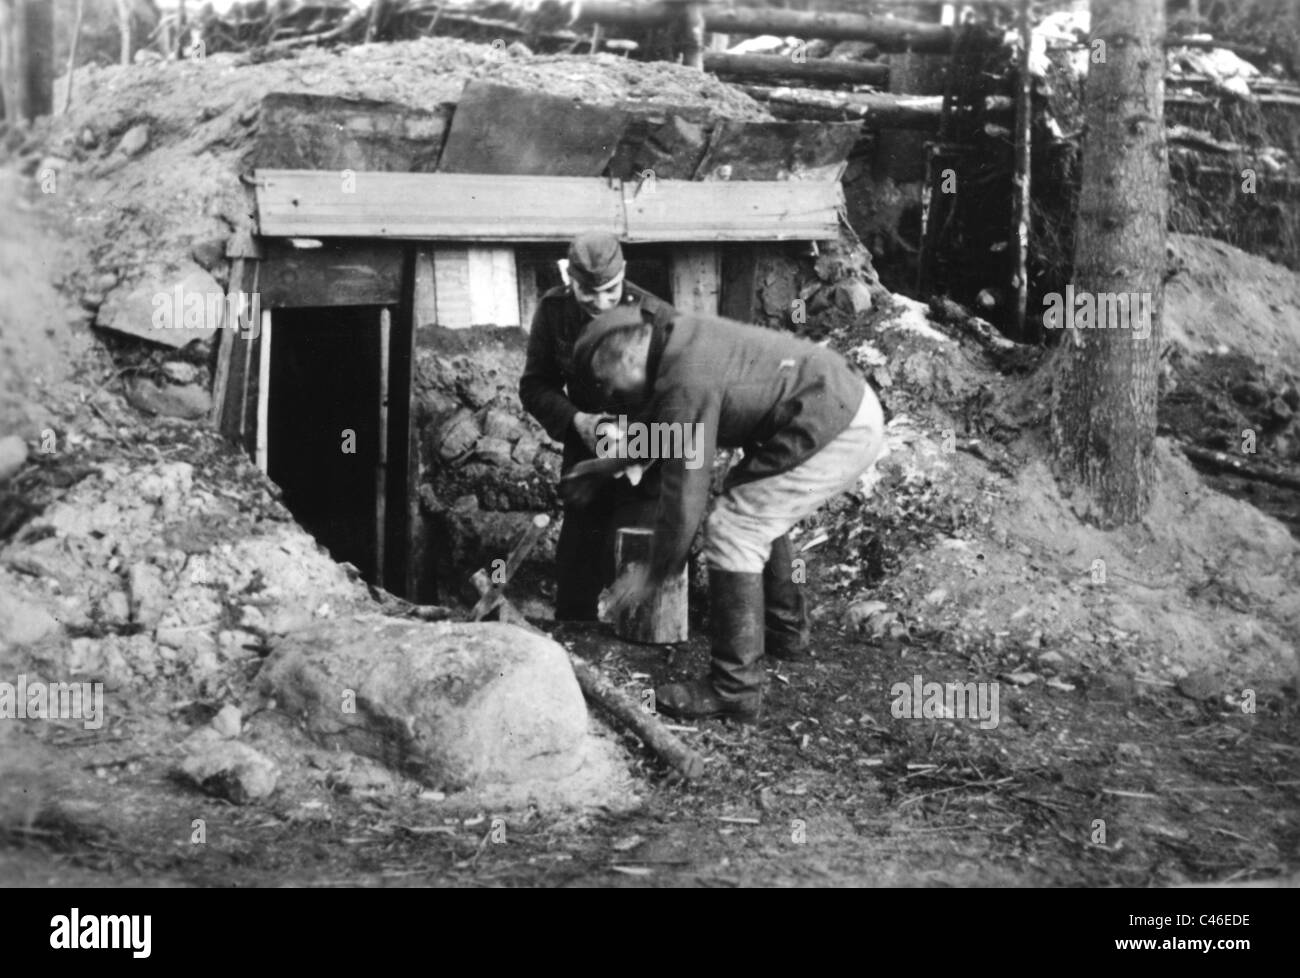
column 585, row 425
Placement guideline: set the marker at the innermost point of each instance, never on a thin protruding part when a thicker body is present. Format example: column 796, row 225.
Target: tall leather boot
column 785, row 612
column 733, row 690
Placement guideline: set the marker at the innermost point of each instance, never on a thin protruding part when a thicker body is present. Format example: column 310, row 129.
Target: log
column 874, row 111
column 824, row 71
column 634, row 717
column 887, row 33
column 661, row 619
column 1222, row 462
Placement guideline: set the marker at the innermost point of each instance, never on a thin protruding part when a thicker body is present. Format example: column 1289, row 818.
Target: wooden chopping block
column 662, row 618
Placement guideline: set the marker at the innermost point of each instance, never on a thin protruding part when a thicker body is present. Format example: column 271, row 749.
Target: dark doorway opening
column 336, row 431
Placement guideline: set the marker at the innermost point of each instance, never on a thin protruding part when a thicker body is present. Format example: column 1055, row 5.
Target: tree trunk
column 1104, row 397
column 124, row 29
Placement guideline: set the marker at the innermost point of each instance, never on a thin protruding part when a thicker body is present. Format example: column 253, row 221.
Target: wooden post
column 381, row 464
column 693, row 35
column 72, row 52
column 1022, row 214
column 263, row 391
column 662, row 618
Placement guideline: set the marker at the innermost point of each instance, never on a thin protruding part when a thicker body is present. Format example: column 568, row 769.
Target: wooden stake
column 72, row 53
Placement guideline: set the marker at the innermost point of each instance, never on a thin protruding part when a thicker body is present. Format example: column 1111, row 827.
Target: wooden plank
column 459, row 207
column 381, row 465
column 530, row 296
column 493, row 287
column 738, row 294
column 741, row 211
column 696, row 274
column 238, row 342
column 451, row 287
column 424, row 311
column 299, row 131
column 263, row 390
column 435, row 206
column 778, row 150
column 503, row 130
column 348, row 273
column 666, row 140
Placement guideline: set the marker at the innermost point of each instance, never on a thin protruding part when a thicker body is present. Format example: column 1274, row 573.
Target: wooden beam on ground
column 887, row 33
column 484, row 208
column 817, row 71
column 633, row 716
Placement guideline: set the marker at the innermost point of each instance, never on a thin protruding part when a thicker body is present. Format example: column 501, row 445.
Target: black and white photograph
column 685, row 444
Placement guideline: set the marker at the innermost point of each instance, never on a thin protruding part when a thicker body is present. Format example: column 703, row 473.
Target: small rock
column 227, row 768
column 1023, row 678
column 937, row 597
column 22, row 623
column 106, row 281
column 493, row 451
column 180, row 372
column 861, row 612
column 210, row 253
column 135, row 140
column 1053, row 659
column 526, row 450
column 228, row 722
column 87, row 138
column 148, row 597
column 187, row 402
column 1198, row 686
column 1279, row 410
column 853, row 295
column 13, row 455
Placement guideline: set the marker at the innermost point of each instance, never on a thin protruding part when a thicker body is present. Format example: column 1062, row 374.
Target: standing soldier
column 568, row 408
column 809, row 427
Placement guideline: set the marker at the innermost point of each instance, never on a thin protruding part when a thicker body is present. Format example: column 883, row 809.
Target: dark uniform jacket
column 550, row 390
column 779, row 397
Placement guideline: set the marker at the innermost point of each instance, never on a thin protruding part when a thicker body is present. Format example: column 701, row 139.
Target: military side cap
column 595, row 259
column 599, row 329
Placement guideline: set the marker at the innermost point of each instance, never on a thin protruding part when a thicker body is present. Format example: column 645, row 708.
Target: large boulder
column 453, row 705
